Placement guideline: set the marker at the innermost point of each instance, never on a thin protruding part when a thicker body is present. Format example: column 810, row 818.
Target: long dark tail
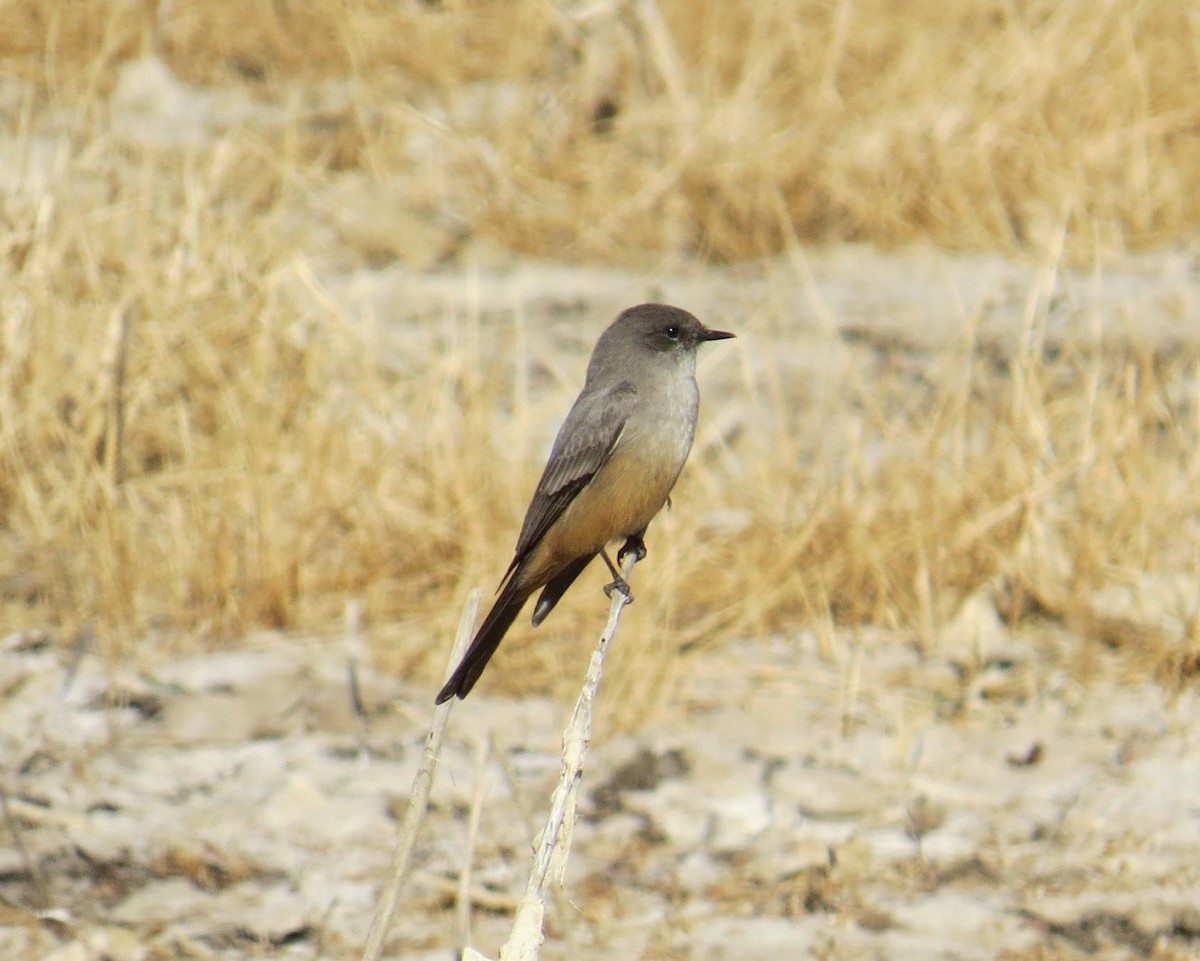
column 508, row 605
column 557, row 587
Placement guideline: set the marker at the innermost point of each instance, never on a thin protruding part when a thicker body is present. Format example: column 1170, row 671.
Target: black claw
column 633, row 545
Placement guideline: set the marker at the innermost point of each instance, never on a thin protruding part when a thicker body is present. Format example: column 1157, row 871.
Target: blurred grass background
column 195, row 441
column 623, row 130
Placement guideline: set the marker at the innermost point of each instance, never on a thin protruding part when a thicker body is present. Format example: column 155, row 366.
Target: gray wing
column 584, row 444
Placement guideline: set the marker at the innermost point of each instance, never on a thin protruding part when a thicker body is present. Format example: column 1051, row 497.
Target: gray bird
column 612, row 468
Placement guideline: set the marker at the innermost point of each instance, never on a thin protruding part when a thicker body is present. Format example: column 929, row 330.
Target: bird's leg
column 618, row 583
column 633, row 545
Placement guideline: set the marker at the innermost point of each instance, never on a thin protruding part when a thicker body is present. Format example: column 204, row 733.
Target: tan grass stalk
column 115, row 361
column 418, row 798
column 463, row 894
column 527, row 934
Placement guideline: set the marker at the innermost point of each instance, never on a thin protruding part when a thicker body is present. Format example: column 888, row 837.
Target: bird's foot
column 633, row 545
column 619, row 584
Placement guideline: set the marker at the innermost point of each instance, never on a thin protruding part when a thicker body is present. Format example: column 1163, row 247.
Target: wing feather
column 584, row 444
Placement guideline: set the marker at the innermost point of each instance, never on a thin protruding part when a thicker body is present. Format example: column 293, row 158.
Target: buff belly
column 621, row 500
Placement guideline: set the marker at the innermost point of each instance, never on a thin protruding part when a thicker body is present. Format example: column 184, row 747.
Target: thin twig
column 526, row 936
column 355, row 648
column 116, row 358
column 482, row 755
column 84, row 642
column 524, row 811
column 418, row 798
column 356, row 651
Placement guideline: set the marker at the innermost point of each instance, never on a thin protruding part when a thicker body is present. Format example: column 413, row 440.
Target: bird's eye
column 672, row 332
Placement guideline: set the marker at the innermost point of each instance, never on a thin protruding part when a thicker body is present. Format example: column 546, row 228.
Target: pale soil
column 873, row 803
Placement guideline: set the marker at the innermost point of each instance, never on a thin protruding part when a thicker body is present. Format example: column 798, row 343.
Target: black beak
column 707, row 334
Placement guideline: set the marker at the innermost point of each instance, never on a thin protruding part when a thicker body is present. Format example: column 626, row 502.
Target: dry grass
column 197, row 442
column 630, row 130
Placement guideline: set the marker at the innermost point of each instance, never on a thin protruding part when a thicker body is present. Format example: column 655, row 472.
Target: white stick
column 482, row 754
column 418, row 798
column 526, row 936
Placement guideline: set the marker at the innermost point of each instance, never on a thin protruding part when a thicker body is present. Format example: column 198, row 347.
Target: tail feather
column 557, row 587
column 508, row 605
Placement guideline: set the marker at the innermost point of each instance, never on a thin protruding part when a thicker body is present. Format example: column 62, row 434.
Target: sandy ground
column 877, row 803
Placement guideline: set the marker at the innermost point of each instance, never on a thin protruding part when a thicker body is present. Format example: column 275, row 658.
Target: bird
column 611, row 469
